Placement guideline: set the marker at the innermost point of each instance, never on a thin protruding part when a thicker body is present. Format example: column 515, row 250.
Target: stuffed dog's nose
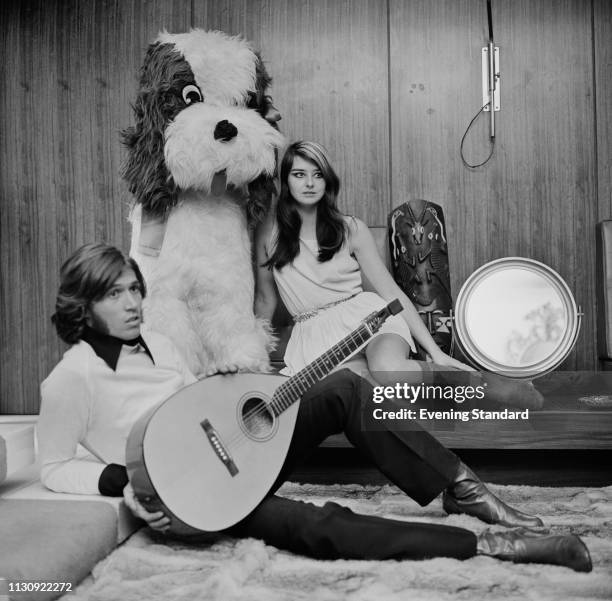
column 225, row 131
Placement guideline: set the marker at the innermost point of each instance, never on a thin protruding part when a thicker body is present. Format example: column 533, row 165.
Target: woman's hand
column 157, row 520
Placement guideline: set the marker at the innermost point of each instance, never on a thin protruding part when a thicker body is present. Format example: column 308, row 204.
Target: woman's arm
column 265, row 287
column 362, row 245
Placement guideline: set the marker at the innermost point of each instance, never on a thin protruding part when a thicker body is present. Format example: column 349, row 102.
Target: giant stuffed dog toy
column 201, row 162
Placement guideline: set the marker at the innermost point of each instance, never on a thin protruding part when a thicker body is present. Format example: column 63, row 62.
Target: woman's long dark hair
column 330, row 228
column 86, row 277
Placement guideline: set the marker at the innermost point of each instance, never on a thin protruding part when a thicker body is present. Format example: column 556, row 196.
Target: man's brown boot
column 561, row 550
column 469, row 495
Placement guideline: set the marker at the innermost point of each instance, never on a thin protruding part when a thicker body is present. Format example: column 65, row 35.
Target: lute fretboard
column 292, row 390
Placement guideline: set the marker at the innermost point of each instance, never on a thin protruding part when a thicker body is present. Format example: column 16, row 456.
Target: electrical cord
column 465, row 135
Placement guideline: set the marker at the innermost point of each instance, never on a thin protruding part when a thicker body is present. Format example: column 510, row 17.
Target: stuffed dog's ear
column 258, row 99
column 145, row 168
column 261, row 191
column 156, row 104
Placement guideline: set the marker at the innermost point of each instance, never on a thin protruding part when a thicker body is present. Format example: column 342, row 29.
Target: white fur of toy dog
column 201, row 286
column 223, row 65
column 193, row 156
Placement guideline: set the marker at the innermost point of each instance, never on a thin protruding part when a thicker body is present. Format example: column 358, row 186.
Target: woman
column 315, row 257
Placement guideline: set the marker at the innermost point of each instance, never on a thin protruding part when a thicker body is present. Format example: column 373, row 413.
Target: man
column 114, row 372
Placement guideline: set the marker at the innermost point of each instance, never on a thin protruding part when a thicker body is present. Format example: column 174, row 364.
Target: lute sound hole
column 256, row 419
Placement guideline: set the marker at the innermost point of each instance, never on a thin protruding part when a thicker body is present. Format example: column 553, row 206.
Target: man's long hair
column 330, row 227
column 85, row 277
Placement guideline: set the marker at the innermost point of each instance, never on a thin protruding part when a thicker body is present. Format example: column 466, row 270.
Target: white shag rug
column 147, row 567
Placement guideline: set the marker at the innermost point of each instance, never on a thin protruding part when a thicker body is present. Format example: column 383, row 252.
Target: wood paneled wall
column 602, row 76
column 536, row 196
column 387, row 87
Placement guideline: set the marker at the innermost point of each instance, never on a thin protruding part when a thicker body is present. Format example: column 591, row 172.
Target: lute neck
column 292, row 390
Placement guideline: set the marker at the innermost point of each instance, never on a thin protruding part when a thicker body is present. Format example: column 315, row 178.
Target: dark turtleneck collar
column 108, row 347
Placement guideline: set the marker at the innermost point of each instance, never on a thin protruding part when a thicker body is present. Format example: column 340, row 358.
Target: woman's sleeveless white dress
column 307, row 285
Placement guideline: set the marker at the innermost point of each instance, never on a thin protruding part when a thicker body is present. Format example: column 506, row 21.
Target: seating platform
column 577, row 414
column 49, row 537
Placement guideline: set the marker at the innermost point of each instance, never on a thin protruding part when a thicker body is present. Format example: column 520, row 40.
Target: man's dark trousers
column 411, row 458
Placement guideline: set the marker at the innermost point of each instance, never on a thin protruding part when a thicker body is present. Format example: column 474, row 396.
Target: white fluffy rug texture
column 149, row 567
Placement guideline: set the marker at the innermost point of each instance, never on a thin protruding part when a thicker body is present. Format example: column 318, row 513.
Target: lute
column 210, row 453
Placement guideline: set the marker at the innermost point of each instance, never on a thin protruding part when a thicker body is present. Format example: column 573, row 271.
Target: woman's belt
column 308, row 314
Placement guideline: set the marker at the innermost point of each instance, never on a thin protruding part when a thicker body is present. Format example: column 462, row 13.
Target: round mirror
column 517, row 317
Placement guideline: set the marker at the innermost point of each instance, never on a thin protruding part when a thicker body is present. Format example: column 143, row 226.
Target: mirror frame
column 482, row 361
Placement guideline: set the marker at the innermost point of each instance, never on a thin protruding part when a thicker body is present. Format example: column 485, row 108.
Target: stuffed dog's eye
column 191, row 93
